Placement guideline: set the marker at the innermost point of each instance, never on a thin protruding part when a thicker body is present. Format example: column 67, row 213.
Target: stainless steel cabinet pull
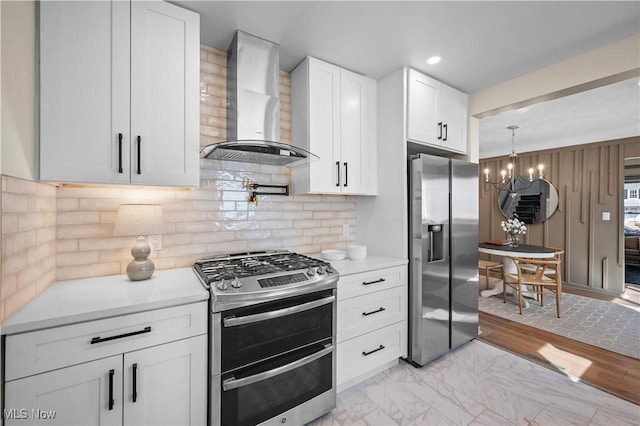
column 373, row 312
column 139, row 142
column 135, row 384
column 346, row 174
column 446, row 132
column 111, row 401
column 440, row 130
column 338, row 177
column 119, row 336
column 119, row 152
column 381, row 280
column 233, row 383
column 248, row 319
column 379, row 348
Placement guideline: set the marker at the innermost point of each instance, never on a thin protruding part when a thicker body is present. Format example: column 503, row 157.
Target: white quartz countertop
column 68, row 302
column 370, row 263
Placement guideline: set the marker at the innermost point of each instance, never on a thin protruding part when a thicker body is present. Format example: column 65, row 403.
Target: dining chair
column 539, row 275
column 488, row 266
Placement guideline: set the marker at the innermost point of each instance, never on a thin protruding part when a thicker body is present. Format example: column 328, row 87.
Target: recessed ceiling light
column 434, row 60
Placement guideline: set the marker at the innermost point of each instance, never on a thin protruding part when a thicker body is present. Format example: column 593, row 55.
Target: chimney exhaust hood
column 253, row 107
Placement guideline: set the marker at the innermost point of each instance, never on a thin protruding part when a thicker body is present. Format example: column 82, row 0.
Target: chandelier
column 510, row 180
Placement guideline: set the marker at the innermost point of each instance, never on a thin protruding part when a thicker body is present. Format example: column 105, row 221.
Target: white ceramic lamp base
column 140, row 268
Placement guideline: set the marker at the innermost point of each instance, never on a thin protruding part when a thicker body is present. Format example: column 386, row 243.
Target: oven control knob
column 311, row 271
column 329, row 269
column 236, row 283
column 322, row 269
column 222, row 284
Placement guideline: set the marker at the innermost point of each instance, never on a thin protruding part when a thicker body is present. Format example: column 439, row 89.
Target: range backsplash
column 63, row 233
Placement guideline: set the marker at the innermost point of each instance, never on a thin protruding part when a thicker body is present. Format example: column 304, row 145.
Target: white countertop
column 67, row 302
column 370, row 263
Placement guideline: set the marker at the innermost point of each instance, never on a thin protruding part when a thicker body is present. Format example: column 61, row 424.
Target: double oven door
column 274, row 361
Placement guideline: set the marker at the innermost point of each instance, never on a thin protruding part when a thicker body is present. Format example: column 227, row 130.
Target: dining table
column 506, row 251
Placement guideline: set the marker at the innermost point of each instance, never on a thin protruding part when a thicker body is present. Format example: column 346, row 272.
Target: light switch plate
column 606, row 216
column 345, row 229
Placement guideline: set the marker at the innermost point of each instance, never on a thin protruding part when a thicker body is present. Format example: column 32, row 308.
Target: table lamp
column 142, row 220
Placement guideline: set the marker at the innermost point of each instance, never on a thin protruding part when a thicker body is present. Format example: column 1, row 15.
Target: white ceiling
column 601, row 114
column 482, row 43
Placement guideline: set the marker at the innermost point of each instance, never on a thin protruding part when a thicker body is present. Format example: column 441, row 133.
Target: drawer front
column 368, row 282
column 45, row 350
column 359, row 315
column 368, row 351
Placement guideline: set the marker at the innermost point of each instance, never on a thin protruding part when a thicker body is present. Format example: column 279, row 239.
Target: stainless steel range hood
column 253, row 107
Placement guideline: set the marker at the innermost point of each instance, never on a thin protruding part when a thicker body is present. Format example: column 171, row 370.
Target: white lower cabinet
column 372, row 323
column 148, row 368
column 77, row 395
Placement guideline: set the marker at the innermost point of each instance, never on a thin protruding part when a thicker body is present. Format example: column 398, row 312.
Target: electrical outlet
column 155, row 241
column 606, row 215
column 345, row 229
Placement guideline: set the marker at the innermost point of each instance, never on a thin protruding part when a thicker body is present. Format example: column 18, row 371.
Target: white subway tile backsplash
column 57, row 233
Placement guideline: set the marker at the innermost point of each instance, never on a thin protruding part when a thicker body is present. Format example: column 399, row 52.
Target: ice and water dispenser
column 436, row 242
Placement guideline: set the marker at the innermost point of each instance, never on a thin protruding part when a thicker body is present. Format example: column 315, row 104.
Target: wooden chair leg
column 486, row 278
column 558, row 302
column 504, row 291
column 520, row 297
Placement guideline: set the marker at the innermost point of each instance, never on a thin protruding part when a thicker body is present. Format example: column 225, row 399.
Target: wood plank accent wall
column 589, row 179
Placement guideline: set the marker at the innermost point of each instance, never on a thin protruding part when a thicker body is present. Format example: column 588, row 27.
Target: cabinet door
column 77, row 395
column 165, row 64
column 324, row 127
column 454, row 115
column 169, row 383
column 357, row 133
column 422, row 114
column 352, row 91
column 84, row 91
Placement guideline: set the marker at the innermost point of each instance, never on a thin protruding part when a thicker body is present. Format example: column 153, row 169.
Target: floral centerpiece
column 514, row 228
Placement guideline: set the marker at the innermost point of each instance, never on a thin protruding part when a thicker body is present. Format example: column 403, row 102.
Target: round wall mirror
column 532, row 202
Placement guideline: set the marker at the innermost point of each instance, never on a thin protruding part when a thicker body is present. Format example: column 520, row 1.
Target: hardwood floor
column 609, row 371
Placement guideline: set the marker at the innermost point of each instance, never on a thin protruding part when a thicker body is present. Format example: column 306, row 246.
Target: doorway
column 631, row 227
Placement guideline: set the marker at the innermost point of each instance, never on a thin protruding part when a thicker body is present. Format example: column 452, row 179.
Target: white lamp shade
column 139, row 219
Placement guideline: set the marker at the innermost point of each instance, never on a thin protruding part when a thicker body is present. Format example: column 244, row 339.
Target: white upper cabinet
column 436, row 113
column 119, row 96
column 333, row 115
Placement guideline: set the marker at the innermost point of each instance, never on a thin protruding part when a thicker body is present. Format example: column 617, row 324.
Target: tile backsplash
column 57, row 233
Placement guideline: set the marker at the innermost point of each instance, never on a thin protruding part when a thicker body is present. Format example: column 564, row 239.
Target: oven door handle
column 233, row 383
column 248, row 319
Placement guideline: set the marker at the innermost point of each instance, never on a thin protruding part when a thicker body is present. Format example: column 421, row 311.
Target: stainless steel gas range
column 272, row 337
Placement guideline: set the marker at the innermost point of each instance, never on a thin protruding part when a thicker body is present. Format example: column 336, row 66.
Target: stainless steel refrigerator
column 443, row 256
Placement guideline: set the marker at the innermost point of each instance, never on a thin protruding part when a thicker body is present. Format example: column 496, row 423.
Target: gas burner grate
column 247, row 265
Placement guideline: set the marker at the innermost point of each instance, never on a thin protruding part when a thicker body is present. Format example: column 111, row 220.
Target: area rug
column 596, row 322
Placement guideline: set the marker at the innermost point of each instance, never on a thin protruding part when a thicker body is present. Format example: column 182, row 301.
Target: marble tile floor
column 477, row 384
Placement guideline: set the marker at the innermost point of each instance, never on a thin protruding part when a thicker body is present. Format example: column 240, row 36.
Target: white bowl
column 333, row 254
column 356, row 251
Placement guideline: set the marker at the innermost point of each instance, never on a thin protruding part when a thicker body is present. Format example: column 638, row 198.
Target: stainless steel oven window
column 266, row 390
column 259, row 332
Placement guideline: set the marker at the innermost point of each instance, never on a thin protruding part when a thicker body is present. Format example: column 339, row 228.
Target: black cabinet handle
column 381, row 280
column 135, row 386
column 338, row 168
column 446, row 133
column 440, row 130
column 139, row 143
column 379, row 348
column 119, row 336
column 366, row 314
column 346, row 174
column 119, row 152
column 111, row 401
